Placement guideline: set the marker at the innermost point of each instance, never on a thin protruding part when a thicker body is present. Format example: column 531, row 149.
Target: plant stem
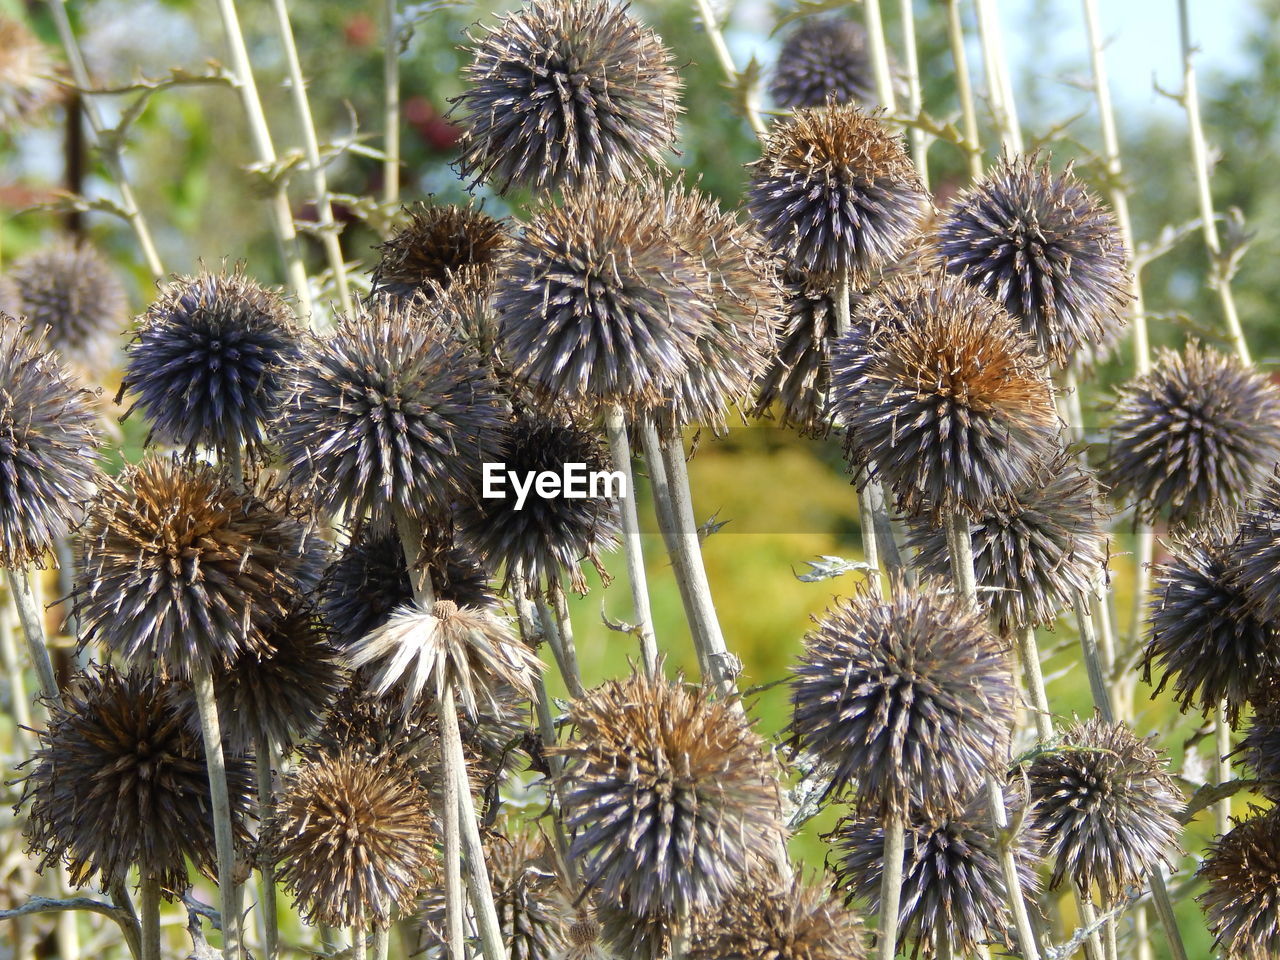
column 17, row 681
column 391, row 105
column 998, row 87
column 1089, row 920
column 33, row 629
column 716, row 36
column 1222, row 739
column 1029, row 653
column 359, row 947
column 381, row 941
column 964, row 89
column 894, row 853
column 211, row 730
column 919, row 139
column 130, row 928
column 149, row 903
column 563, row 635
column 879, row 55
column 266, row 871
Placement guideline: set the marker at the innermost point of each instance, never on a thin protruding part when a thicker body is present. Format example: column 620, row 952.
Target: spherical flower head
column 436, row 247
column 388, row 414
column 183, row 568
column 944, row 396
column 824, row 60
column 1106, row 807
column 799, row 373
column 835, row 192
column 428, row 651
column 763, row 921
column 546, row 539
column 1259, row 748
column 351, row 837
column 952, row 883
column 27, row 83
column 1034, row 552
column 597, row 303
column 1205, row 638
column 667, row 793
column 1043, row 247
column 1241, row 901
column 905, row 700
column 1255, row 554
column 208, row 365
column 69, row 294
column 1195, row 435
column 562, row 92
column 48, row 458
column 118, row 780
column 633, row 935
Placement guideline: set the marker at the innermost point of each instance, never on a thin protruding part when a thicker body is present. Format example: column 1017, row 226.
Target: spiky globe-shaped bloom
column 824, row 59
column 1204, row 637
column 905, row 700
column 546, row 539
column 1195, row 435
column 835, row 192
column 1255, row 555
column 388, row 414
column 1043, row 247
column 952, row 883
column 560, row 92
column 182, row 567
column 667, row 793
column 633, row 935
column 27, row 75
column 438, row 245
column 799, row 373
column 351, row 837
column 944, row 396
column 598, row 303
column 119, row 780
column 1106, row 807
column 1259, row 748
column 425, row 652
column 1241, row 901
column 1034, row 552
column 48, row 460
column 766, row 922
column 69, row 294
column 208, row 365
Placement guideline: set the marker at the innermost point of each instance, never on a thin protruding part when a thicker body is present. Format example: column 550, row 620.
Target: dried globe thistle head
column 69, row 294
column 668, row 794
column 182, row 567
column 545, row 539
column 835, row 192
column 1043, row 247
column 438, row 246
column 636, row 936
column 1196, row 434
column 953, row 882
column 798, row 377
column 351, row 837
column 209, row 363
column 1106, row 807
column 943, row 395
column 1255, row 555
column 598, row 303
column 119, row 780
column 27, row 75
column 1241, row 901
column 1259, row 748
column 1034, row 551
column 48, row 459
column 763, row 921
column 560, row 92
column 388, row 414
column 824, row 60
column 1204, row 636
column 906, row 700
column 428, row 651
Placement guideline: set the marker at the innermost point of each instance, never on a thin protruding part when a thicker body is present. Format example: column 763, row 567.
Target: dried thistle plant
column 768, row 921
column 824, row 59
column 438, row 246
column 1241, row 901
column 27, row 75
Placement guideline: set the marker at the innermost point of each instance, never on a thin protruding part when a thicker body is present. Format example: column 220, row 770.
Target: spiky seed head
column 181, row 567
column 667, row 793
column 798, row 377
column 69, row 294
column 118, row 780
column 27, row 75
column 953, row 881
column 545, row 539
column 943, row 395
column 560, row 92
column 1043, row 247
column 823, row 60
column 1259, row 748
column 1204, row 637
column 1035, row 551
column 634, row 935
column 388, row 414
column 597, row 304
column 1241, row 901
column 438, row 246
column 1106, row 807
column 1195, row 435
column 1255, row 554
column 906, row 700
column 835, row 192
column 351, row 837
column 208, row 364
column 763, row 921
column 48, row 448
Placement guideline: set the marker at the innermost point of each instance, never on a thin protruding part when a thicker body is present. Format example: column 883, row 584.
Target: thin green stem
column 964, row 89
column 893, row 856
column 391, row 104
column 33, row 629
column 211, row 729
column 359, row 944
column 731, row 74
column 919, row 139
column 1029, row 654
column 149, row 904
column 266, row 871
column 879, row 55
column 563, row 635
column 1222, row 768
column 381, row 941
column 999, row 89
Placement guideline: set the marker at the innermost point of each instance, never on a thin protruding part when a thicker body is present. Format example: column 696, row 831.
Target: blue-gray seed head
column 824, row 59
column 1241, row 901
